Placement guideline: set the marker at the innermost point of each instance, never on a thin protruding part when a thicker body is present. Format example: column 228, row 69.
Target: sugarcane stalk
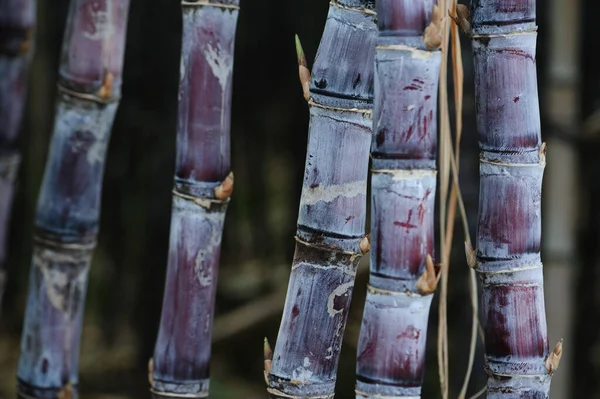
column 17, row 22
column 512, row 161
column 391, row 348
column 330, row 237
column 66, row 222
column 203, row 186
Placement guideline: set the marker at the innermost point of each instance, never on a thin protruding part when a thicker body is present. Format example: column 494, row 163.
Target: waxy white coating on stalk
column 331, row 221
column 392, row 343
column 512, row 163
column 203, row 186
column 69, row 202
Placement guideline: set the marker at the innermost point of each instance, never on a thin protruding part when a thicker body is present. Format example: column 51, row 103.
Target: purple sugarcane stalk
column 330, row 238
column 203, row 185
column 512, row 161
column 17, row 22
column 68, row 209
column 391, row 349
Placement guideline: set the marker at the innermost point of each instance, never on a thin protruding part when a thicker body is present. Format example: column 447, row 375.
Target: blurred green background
column 269, row 133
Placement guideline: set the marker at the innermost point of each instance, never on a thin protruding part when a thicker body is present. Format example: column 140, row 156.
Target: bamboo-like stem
column 392, row 343
column 331, row 221
column 69, row 203
column 17, row 22
column 203, row 186
column 512, row 162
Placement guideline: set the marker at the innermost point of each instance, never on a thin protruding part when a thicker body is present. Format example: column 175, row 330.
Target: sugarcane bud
column 462, row 18
column 151, row 371
column 432, row 37
column 553, row 360
column 303, row 70
column 66, row 392
column 471, row 255
column 428, row 281
column 26, row 43
column 224, row 190
column 542, row 152
column 105, row 90
column 268, row 352
column 365, row 244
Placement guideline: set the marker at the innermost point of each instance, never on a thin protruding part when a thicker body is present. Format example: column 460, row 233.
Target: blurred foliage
column 269, row 134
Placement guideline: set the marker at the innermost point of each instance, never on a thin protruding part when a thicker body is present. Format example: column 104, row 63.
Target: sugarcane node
column 105, row 90
column 553, row 360
column 151, row 371
column 471, row 255
column 26, row 43
column 224, row 190
column 365, row 244
column 66, row 392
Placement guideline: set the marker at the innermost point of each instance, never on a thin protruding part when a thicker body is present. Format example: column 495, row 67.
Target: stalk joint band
column 87, row 96
column 280, row 394
column 358, row 9
column 71, row 246
column 313, row 103
column 203, row 202
column 509, row 375
column 380, row 396
column 380, row 291
column 492, row 35
column 540, row 164
column 206, row 3
column 515, row 270
column 203, row 394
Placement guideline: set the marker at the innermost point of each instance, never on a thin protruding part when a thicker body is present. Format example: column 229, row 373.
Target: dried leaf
column 553, row 360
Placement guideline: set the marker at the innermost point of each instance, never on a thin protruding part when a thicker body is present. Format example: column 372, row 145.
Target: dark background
column 269, row 133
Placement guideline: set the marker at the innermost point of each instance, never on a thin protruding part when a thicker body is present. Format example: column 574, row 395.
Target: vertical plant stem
column 331, row 223
column 391, row 349
column 203, row 186
column 512, row 161
column 17, row 22
column 69, row 203
column 444, row 178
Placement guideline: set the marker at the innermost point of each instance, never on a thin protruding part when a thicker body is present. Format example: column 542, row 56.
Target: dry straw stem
column 459, row 14
column 444, row 166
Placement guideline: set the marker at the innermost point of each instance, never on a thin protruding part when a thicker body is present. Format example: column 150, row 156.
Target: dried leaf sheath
column 391, row 350
column 69, row 203
column 203, row 184
column 331, row 221
column 17, row 20
column 512, row 162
